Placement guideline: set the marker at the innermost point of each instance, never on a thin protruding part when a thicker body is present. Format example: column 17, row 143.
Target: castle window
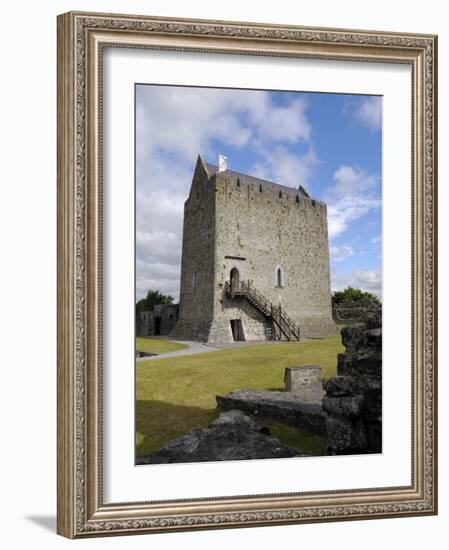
column 280, row 194
column 313, row 202
column 260, row 188
column 238, row 182
column 279, row 278
column 297, row 198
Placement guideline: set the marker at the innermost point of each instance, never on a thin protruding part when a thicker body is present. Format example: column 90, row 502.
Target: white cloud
column 159, row 214
column 183, row 120
column 347, row 210
column 350, row 180
column 368, row 112
column 376, row 240
column 287, row 168
column 369, row 280
column 280, row 123
column 338, row 253
column 353, row 195
column 186, row 119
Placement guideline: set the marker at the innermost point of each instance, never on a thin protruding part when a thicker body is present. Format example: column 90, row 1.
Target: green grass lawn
column 157, row 345
column 176, row 394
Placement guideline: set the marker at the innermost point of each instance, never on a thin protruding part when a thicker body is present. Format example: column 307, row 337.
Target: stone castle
column 255, row 261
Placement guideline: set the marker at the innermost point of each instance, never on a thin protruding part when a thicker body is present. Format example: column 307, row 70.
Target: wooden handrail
column 276, row 313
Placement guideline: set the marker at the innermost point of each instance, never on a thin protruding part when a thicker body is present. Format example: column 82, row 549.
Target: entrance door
column 157, row 326
column 237, row 330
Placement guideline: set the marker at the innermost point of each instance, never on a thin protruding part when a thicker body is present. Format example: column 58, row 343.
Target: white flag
column 222, row 163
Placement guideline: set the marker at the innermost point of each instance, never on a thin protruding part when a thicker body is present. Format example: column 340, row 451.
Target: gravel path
column 193, row 349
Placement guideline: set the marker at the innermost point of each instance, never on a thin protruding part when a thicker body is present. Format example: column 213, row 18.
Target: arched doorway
column 235, row 279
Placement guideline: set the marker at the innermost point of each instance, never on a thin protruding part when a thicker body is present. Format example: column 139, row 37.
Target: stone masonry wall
column 258, row 230
column 353, row 400
column 197, row 266
column 146, row 320
column 145, row 323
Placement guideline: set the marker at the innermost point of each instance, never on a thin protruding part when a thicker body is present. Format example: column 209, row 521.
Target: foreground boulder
column 233, row 436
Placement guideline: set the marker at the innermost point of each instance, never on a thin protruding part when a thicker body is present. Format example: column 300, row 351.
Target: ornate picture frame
column 82, row 38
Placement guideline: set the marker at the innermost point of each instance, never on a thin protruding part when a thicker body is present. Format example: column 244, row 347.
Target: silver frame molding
column 81, row 37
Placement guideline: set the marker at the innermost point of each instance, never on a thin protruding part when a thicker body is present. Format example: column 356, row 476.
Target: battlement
column 255, row 185
column 241, row 194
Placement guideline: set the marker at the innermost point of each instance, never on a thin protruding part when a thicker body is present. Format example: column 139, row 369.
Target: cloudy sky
column 329, row 143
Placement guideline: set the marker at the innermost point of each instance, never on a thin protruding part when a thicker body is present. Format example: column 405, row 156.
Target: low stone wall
column 283, row 407
column 298, row 406
column 159, row 321
column 353, row 400
column 351, row 314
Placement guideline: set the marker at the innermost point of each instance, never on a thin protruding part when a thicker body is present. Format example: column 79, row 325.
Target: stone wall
column 344, row 314
column 260, row 229
column 145, row 323
column 160, row 321
column 353, row 400
column 197, row 266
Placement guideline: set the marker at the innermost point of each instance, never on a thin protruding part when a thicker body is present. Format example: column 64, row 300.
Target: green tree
column 153, row 298
column 354, row 296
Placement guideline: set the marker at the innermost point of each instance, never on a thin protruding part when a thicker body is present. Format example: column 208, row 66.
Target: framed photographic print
column 246, row 276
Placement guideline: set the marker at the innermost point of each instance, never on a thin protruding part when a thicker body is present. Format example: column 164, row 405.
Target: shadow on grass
column 158, row 422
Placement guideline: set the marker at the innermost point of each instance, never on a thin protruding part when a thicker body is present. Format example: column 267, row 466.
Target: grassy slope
column 176, row 394
column 156, row 345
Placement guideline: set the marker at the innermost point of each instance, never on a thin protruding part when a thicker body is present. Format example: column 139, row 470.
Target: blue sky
column 329, row 143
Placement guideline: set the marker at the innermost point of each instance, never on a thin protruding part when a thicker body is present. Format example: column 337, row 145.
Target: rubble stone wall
column 353, row 399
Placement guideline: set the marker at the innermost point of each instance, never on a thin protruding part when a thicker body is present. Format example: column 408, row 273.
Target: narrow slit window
column 279, row 277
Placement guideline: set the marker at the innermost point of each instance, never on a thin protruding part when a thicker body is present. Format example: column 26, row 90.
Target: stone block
column 340, row 385
column 301, row 377
column 352, row 336
column 345, row 436
column 349, row 406
column 373, row 338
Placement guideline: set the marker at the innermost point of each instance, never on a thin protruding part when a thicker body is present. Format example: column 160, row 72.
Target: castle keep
column 255, row 261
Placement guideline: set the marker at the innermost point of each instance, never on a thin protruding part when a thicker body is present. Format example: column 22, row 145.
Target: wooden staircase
column 282, row 326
